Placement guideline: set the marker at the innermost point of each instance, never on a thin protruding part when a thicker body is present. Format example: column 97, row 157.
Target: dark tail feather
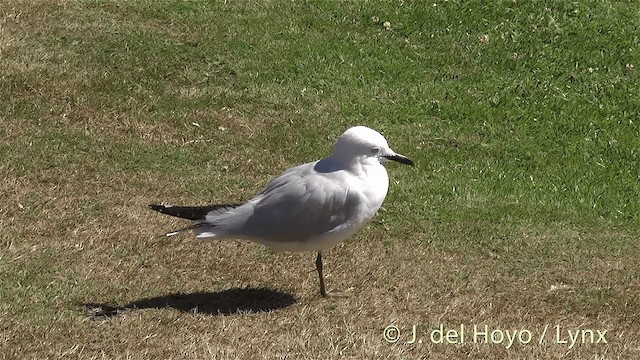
column 196, row 213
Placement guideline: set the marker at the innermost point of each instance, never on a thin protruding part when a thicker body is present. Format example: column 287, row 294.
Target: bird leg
column 323, row 291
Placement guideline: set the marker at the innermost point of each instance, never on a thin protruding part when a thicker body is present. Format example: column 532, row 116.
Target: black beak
column 400, row 158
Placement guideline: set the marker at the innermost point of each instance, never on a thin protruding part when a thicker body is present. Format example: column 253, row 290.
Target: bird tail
column 195, row 213
column 191, row 227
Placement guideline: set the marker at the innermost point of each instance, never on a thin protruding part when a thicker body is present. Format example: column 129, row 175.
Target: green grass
column 523, row 209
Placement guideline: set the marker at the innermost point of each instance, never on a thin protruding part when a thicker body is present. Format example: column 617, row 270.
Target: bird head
column 365, row 145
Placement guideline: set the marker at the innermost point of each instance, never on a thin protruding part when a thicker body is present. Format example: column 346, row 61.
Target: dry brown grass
column 85, row 272
column 171, row 291
column 65, row 264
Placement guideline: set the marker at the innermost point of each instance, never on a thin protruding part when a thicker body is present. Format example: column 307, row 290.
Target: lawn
column 517, row 234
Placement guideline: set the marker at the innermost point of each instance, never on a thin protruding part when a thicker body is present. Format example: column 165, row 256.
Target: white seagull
column 310, row 207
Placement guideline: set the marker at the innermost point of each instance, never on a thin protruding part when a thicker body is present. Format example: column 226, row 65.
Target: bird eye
column 375, row 150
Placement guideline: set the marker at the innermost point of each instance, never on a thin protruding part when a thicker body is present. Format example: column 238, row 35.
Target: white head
column 364, row 145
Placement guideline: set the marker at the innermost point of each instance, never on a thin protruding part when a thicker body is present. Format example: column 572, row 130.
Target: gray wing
column 299, row 204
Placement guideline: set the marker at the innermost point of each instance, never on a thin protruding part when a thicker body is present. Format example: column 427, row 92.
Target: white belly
column 316, row 243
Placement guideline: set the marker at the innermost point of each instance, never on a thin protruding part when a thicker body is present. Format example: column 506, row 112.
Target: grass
column 522, row 213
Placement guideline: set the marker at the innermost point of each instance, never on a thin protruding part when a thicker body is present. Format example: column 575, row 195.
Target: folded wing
column 294, row 207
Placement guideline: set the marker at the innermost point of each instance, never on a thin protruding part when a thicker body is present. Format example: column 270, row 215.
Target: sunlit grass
column 522, row 209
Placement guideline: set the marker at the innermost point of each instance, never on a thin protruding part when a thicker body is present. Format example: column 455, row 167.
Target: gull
column 310, row 207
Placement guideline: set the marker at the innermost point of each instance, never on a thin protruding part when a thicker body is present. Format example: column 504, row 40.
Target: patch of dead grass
column 80, row 233
column 123, row 259
column 400, row 276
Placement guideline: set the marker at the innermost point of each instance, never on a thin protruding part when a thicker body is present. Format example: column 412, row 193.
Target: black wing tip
column 168, row 209
column 197, row 213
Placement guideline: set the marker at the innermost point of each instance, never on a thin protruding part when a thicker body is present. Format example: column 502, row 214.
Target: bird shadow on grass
column 226, row 302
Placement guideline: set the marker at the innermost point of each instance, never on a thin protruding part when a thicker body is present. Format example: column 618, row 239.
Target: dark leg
column 323, row 291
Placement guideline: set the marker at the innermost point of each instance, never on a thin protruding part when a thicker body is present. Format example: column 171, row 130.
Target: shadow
column 227, row 302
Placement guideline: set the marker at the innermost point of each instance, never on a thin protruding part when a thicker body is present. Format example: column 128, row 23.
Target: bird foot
column 337, row 293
